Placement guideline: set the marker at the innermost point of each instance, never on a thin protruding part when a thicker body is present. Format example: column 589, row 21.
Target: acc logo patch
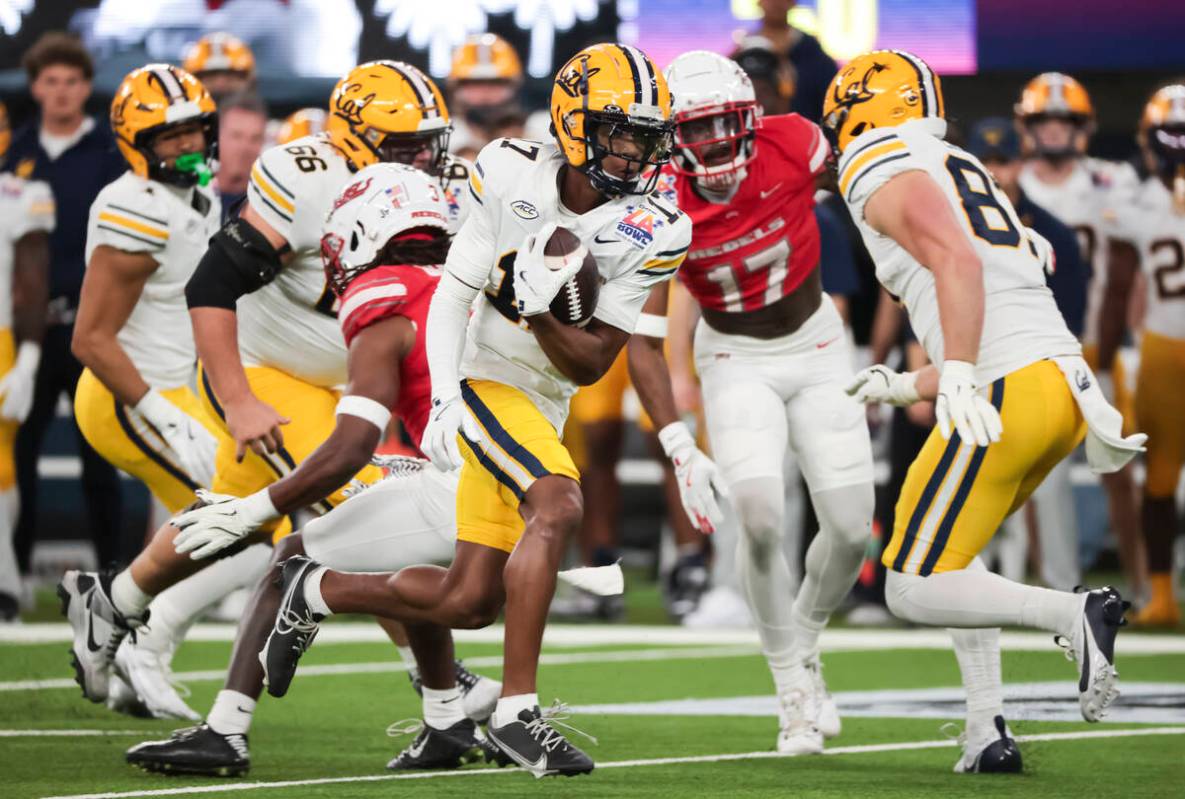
column 637, row 227
column 524, row 209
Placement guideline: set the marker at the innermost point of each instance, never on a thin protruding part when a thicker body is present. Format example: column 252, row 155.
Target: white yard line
column 662, row 761
column 383, row 667
column 587, row 635
column 65, row 733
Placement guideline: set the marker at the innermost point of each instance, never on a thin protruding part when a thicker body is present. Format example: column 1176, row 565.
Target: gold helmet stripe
column 414, row 79
column 930, row 97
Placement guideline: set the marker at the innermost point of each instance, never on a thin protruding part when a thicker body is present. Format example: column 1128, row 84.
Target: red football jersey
column 388, row 291
column 761, row 245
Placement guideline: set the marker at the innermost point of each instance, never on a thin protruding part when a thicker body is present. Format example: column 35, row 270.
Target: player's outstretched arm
column 245, row 255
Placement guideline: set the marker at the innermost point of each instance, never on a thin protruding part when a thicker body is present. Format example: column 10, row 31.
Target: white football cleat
column 150, row 675
column 98, row 629
column 122, row 699
column 1092, row 646
column 479, row 694
column 720, row 607
column 828, row 719
column 799, row 734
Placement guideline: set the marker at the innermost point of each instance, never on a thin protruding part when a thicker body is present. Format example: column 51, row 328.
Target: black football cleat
column 450, row 748
column 194, row 750
column 1001, row 756
column 533, row 743
column 294, row 630
column 1092, row 646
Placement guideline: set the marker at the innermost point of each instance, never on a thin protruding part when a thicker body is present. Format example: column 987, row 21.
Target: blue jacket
column 76, row 178
column 1072, row 275
column 814, row 69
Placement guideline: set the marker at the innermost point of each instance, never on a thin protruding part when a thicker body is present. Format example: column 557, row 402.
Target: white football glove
column 17, row 386
column 700, row 484
column 221, row 522
column 535, row 284
column 879, row 383
column 961, row 408
column 1106, row 382
column 193, row 444
column 447, row 418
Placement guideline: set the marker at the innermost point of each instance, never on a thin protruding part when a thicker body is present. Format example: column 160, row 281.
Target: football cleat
column 532, row 742
column 294, row 630
column 686, row 585
column 996, row 754
column 1092, row 646
column 828, row 718
column 444, row 749
column 194, row 750
column 98, row 629
column 799, row 733
column 720, row 607
column 479, row 694
column 151, row 678
column 123, row 699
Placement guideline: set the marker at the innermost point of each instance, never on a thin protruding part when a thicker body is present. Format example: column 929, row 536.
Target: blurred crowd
column 74, row 156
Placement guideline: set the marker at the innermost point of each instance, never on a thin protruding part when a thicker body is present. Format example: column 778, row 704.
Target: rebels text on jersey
column 406, row 291
column 638, row 242
column 290, row 324
column 759, row 247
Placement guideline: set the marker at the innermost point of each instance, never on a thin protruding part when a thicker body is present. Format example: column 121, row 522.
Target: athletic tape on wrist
column 365, row 408
column 651, row 325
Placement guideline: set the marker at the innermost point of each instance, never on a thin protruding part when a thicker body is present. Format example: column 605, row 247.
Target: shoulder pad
column 134, row 207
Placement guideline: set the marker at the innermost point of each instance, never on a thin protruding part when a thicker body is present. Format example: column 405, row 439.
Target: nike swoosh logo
column 446, row 701
column 600, row 240
column 771, row 190
column 90, row 628
column 827, row 342
column 1084, row 680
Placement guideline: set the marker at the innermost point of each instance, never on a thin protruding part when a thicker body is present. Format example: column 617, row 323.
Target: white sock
column 231, row 713
column 787, row 670
column 312, row 592
column 10, row 576
column 509, row 707
column 978, row 652
column 127, row 596
column 443, row 708
column 409, row 659
column 974, row 597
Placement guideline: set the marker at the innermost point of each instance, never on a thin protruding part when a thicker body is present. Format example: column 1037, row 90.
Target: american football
column 576, row 301
column 317, row 479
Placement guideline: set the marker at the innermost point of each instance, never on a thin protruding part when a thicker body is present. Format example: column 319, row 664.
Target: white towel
column 599, row 580
column 1107, row 450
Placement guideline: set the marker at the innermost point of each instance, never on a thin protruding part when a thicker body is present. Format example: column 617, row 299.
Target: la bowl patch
column 637, row 227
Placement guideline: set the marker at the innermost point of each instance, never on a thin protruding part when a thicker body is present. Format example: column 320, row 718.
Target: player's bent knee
column 760, row 505
column 560, row 512
column 845, row 513
column 475, row 608
column 898, row 587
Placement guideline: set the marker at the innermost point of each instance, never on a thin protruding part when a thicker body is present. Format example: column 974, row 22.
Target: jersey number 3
column 989, row 220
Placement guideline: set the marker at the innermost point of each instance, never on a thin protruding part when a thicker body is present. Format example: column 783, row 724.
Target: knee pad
column 761, row 506
column 846, row 513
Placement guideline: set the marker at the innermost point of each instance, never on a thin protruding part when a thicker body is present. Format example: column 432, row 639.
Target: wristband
column 28, row 356
column 153, row 406
column 675, row 436
column 258, row 508
column 364, row 408
column 959, row 370
column 652, row 325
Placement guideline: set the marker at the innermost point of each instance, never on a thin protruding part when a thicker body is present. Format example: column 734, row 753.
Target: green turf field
column 327, row 738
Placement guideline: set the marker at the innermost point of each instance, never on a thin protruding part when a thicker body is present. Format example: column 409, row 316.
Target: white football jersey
column 1156, row 227
column 172, row 225
column 1021, row 322
column 291, row 323
column 1087, row 202
column 25, row 206
column 638, row 242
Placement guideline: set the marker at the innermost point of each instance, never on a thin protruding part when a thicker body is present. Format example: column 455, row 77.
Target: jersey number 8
column 989, row 220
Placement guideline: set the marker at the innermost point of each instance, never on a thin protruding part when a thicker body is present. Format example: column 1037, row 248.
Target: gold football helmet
column 1162, row 134
column 1052, row 95
column 219, row 52
column 611, row 100
column 881, row 89
column 388, row 111
column 486, row 56
column 151, row 100
column 298, row 124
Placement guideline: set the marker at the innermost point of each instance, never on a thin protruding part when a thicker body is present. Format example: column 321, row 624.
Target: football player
column 1152, row 232
column 301, row 123
column 386, row 231
column 484, row 85
column 266, row 330
column 26, row 219
column 222, row 62
column 773, row 360
column 501, row 396
column 1013, row 394
column 1055, row 118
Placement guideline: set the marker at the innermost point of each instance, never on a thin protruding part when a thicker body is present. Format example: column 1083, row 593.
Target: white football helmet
column 382, row 202
column 716, row 117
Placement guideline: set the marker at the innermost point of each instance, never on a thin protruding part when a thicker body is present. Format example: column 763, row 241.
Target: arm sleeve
column 621, row 298
column 131, row 221
column 36, row 210
column 869, row 162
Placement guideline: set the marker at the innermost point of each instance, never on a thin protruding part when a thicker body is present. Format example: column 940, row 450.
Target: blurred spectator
column 223, row 63
column 77, row 157
column 242, row 120
column 771, row 75
column 837, row 264
column 485, row 86
column 813, row 68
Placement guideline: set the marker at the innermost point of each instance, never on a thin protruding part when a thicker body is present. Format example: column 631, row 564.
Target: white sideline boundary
column 586, row 635
column 66, row 733
column 382, row 667
column 662, row 761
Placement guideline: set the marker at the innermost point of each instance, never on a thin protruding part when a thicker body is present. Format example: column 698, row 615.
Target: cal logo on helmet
column 881, row 89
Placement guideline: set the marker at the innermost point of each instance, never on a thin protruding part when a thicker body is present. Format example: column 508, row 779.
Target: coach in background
column 242, row 122
column 994, row 142
column 76, row 156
